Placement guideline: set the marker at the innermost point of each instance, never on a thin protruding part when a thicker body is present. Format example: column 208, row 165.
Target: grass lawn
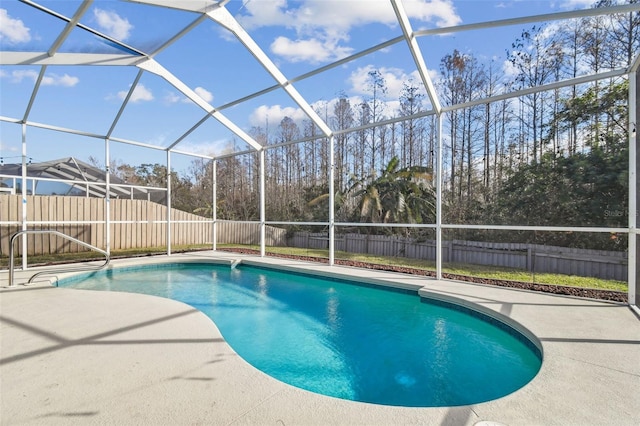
column 481, row 271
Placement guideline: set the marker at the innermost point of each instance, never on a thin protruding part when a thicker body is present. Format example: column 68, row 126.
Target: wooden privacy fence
column 531, row 257
column 139, row 224
column 249, row 233
column 134, row 224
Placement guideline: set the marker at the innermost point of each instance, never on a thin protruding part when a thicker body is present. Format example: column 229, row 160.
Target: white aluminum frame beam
column 198, row 6
column 69, row 27
column 537, row 89
column 34, row 94
column 509, row 95
column 154, row 67
column 125, row 102
column 43, row 58
column 83, row 27
column 188, row 132
column 83, row 133
column 224, row 18
column 314, row 72
column 412, row 42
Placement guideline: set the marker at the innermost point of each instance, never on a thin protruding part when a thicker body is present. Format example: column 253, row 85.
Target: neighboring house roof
column 78, row 174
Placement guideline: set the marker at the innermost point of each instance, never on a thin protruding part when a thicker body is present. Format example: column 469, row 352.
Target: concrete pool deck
column 72, row 356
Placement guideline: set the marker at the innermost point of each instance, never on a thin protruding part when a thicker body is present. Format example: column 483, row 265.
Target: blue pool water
column 356, row 342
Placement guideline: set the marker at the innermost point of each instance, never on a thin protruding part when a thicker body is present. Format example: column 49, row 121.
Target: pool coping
column 590, row 372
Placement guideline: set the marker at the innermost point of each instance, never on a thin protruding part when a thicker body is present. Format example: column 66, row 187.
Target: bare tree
column 535, row 55
column 411, row 103
column 342, row 119
column 378, row 90
column 462, row 79
column 363, row 117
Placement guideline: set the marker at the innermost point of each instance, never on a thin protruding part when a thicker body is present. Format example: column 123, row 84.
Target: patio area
column 86, row 357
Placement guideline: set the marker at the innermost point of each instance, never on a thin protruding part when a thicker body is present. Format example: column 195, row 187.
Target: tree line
column 557, row 157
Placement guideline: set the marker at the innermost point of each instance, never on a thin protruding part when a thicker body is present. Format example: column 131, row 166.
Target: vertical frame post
column 214, row 204
column 169, row 203
column 107, row 197
column 439, row 252
column 24, row 196
column 633, row 272
column 262, row 206
column 332, row 209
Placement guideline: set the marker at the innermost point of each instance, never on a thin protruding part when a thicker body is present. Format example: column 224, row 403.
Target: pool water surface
column 337, row 338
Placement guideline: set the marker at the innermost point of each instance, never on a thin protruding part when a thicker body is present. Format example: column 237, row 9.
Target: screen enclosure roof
column 196, row 76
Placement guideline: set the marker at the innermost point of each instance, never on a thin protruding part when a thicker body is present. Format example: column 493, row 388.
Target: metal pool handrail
column 60, row 234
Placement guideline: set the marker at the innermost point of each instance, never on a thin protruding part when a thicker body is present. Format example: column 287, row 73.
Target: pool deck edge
column 147, row 360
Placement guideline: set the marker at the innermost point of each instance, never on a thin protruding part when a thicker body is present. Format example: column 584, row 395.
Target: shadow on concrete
column 62, row 343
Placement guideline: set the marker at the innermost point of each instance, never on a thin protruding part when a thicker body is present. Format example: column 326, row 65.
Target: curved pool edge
column 566, row 327
column 422, row 286
column 490, row 313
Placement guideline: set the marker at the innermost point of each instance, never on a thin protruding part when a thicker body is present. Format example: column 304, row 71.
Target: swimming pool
column 341, row 339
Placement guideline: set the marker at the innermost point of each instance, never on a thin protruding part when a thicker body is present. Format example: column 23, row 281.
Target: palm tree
column 398, row 195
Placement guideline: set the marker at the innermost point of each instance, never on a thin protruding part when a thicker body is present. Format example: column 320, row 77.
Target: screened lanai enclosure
column 492, row 140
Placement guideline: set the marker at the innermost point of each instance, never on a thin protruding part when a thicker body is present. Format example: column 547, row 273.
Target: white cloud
column 6, row 148
column 434, row 75
column 59, row 80
column 339, row 16
column 264, row 13
column 19, row 75
column 322, row 26
column 391, row 107
column 577, row 4
column 509, row 70
column 140, row 93
column 215, row 147
column 204, row 94
column 48, row 80
column 157, row 140
column 394, row 79
column 12, row 30
column 172, row 98
column 112, row 24
column 441, row 12
column 310, row 50
column 274, row 114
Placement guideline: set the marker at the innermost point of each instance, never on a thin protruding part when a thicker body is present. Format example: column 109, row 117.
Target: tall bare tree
column 535, row 55
column 378, row 89
column 342, row 119
column 411, row 103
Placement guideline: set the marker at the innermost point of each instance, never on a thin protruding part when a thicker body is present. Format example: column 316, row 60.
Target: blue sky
column 298, row 36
